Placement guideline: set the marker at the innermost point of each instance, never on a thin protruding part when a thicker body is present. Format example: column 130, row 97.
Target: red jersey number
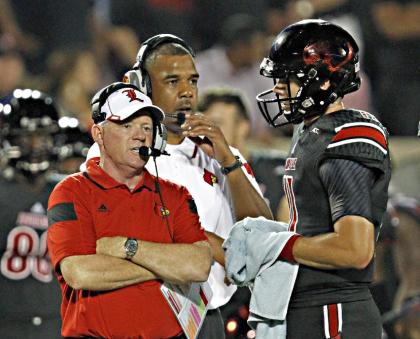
column 293, row 213
column 26, row 254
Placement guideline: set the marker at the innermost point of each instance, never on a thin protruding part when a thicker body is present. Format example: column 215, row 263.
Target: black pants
column 352, row 320
column 213, row 326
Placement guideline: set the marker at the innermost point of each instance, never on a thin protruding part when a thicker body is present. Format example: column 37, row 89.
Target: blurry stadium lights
column 73, row 123
column 17, row 93
column 7, row 109
column 26, row 93
column 36, row 94
column 231, row 326
column 65, row 122
column 251, row 334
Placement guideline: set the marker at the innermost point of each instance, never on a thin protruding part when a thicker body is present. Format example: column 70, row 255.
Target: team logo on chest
column 290, row 164
column 210, row 178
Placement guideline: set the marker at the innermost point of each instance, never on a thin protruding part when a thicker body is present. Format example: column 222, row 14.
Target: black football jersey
column 268, row 168
column 30, row 296
column 347, row 134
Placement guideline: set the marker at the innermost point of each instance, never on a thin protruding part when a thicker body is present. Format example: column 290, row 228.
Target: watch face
column 131, row 247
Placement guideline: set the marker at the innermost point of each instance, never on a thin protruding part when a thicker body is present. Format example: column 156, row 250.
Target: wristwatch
column 237, row 164
column 131, row 245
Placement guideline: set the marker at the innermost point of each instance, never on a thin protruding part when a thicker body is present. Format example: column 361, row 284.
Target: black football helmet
column 71, row 140
column 309, row 52
column 71, row 145
column 28, row 122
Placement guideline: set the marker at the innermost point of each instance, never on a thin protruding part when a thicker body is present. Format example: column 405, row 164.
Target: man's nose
column 279, row 88
column 186, row 89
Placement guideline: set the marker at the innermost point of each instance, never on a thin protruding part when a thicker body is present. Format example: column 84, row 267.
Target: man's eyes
column 174, row 82
column 146, row 128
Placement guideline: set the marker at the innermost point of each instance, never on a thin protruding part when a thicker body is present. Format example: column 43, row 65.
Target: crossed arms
column 107, row 269
column 90, row 258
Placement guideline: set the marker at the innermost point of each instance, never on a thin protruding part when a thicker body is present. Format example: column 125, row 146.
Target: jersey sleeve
column 187, row 227
column 70, row 227
column 348, row 184
column 364, row 142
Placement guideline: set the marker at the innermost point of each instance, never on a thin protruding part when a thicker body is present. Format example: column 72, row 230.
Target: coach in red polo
column 114, row 238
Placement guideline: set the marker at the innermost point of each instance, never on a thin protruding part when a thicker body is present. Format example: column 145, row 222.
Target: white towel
column 251, row 253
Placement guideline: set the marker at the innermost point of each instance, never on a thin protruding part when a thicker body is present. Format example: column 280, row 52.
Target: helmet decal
column 321, row 52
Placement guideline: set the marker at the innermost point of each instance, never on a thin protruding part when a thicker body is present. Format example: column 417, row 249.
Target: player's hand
column 197, row 125
column 113, row 246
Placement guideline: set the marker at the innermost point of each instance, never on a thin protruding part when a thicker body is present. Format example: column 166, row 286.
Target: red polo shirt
column 87, row 206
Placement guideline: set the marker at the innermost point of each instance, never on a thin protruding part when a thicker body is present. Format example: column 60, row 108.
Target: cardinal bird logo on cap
column 209, row 177
column 131, row 93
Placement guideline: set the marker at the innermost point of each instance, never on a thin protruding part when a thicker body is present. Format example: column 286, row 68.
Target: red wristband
column 286, row 253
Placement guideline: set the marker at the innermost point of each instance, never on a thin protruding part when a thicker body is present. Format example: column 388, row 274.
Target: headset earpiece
column 138, row 76
column 141, row 81
column 97, row 116
column 160, row 137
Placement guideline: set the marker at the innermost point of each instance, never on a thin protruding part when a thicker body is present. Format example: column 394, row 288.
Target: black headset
column 138, row 75
column 160, row 134
column 100, row 97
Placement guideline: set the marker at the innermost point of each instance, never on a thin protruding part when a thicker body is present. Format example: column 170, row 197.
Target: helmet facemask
column 29, row 153
column 28, row 123
column 310, row 99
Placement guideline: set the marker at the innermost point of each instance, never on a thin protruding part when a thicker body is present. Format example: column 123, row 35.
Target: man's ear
column 97, row 134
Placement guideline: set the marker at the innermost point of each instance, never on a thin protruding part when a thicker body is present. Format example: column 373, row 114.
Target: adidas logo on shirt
column 102, row 208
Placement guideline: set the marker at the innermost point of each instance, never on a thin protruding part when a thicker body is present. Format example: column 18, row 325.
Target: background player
column 30, row 297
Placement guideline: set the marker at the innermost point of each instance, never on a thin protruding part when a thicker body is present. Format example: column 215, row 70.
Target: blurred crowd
column 70, row 49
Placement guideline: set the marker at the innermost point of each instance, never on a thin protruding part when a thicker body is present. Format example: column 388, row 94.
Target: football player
column 336, row 180
column 29, row 295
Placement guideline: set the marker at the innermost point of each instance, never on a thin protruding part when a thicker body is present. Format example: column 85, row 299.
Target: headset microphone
column 151, row 152
column 180, row 117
